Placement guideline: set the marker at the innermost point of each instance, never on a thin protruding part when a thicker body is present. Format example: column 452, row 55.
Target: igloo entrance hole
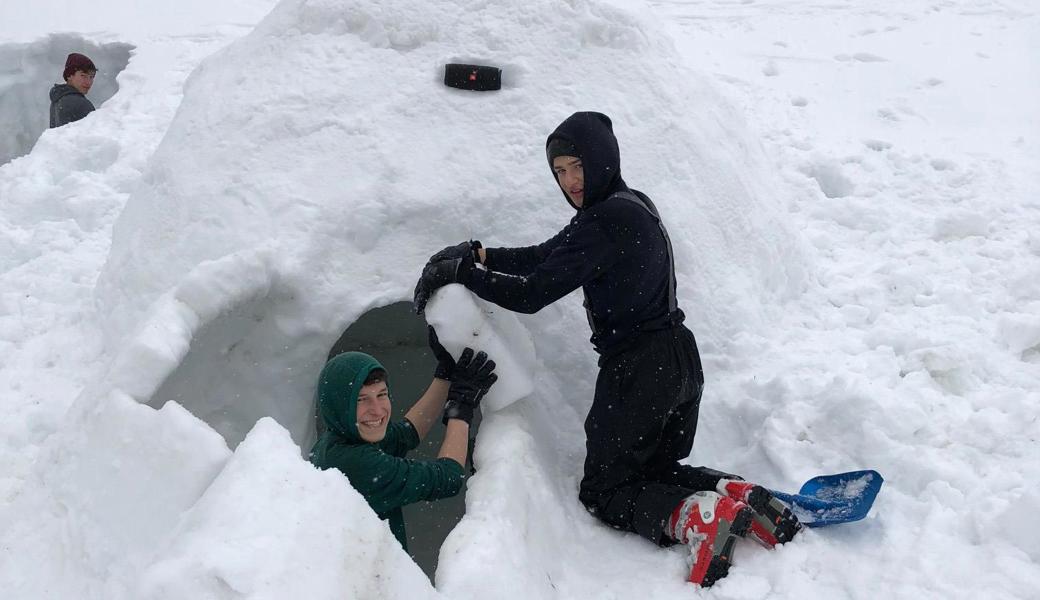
column 398, row 339
column 242, row 366
column 27, row 72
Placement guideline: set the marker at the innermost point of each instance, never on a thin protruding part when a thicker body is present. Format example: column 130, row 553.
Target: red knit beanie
column 77, row 62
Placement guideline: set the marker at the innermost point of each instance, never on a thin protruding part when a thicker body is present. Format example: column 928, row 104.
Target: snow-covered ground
column 852, row 192
column 913, row 129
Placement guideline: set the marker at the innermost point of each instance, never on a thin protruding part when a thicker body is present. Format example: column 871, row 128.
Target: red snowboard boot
column 774, row 523
column 710, row 524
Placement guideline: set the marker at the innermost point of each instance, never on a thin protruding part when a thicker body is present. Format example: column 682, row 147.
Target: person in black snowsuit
column 68, row 100
column 644, row 414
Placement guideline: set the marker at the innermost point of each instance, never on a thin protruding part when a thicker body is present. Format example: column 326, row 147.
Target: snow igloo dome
column 315, row 164
column 312, row 168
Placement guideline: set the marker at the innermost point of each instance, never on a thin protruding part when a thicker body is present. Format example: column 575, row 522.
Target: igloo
column 311, row 169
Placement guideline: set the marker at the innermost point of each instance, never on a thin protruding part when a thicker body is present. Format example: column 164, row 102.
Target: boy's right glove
column 453, row 264
column 457, row 251
column 472, row 378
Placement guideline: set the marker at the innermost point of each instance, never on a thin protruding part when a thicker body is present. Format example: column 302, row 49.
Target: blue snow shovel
column 830, row 499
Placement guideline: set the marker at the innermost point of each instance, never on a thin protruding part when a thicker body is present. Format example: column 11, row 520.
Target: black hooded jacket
column 613, row 248
column 68, row 105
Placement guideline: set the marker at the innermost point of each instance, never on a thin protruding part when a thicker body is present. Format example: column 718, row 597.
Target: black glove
column 457, row 251
column 473, row 377
column 445, row 362
column 439, row 274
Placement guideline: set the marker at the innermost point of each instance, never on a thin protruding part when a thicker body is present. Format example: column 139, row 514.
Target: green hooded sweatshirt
column 378, row 470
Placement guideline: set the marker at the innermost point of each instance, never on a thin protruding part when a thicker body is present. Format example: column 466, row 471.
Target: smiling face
column 373, row 411
column 571, row 177
column 81, row 80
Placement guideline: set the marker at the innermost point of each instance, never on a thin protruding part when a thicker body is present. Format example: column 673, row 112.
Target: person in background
column 644, row 413
column 69, row 100
column 354, row 403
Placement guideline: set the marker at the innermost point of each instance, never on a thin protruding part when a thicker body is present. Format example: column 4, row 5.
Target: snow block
column 462, row 320
column 271, row 526
column 127, row 473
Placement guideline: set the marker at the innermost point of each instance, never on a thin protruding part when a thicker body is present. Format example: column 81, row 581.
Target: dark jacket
column 379, row 470
column 68, row 105
column 613, row 248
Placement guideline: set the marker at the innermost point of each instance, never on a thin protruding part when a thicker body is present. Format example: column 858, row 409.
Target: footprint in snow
column 868, row 57
column 864, row 57
column 889, row 115
column 828, row 175
column 877, row 145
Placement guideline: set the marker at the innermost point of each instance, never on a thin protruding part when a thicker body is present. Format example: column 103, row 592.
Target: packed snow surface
column 852, row 192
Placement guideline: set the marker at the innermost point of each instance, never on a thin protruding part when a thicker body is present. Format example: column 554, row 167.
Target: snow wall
column 27, row 72
column 311, row 169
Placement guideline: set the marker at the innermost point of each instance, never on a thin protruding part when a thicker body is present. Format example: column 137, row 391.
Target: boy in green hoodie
column 360, row 440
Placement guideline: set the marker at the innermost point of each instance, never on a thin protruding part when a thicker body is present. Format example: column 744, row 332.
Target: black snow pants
column 642, row 422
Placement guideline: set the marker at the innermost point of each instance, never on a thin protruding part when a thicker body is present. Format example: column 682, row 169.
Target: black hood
column 60, row 90
column 591, row 133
